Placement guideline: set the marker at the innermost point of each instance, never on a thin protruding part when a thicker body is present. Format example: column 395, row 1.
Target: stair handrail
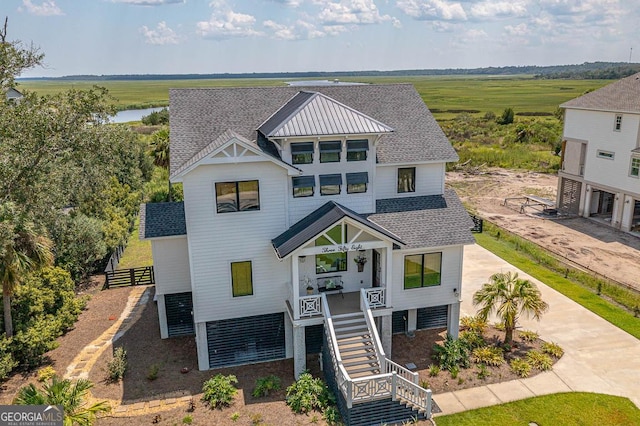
column 342, row 376
column 368, row 316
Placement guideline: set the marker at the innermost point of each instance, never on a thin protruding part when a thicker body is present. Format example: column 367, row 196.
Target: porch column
column 299, row 351
column 388, row 266
column 385, row 334
column 295, row 282
column 162, row 316
column 202, row 346
column 586, row 209
column 618, row 210
column 453, row 320
column 412, row 320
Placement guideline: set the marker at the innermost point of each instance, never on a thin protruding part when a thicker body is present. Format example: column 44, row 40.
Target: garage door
column 179, row 318
column 432, row 317
column 244, row 340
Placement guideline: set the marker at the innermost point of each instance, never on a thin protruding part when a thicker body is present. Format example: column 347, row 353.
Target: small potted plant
column 360, row 260
column 307, row 282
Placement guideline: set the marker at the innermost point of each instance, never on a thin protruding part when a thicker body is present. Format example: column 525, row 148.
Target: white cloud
column 498, row 9
column 292, row 3
column 519, row 30
column 298, row 31
column 351, row 12
column 162, row 34
column 225, row 23
column 432, row 10
column 46, row 8
column 149, row 2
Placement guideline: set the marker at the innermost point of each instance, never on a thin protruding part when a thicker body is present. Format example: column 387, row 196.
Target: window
column 331, row 262
column 422, row 270
column 237, row 196
column 635, row 167
column 357, row 182
column 303, row 186
column 608, row 155
column 407, row 179
column 330, row 184
column 617, row 126
column 241, row 278
column 330, row 151
column 302, row 153
column 357, row 150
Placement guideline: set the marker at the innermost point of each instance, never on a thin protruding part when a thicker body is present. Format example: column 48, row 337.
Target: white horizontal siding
column 598, row 129
column 429, row 180
column 171, row 265
column 216, row 240
column 451, row 278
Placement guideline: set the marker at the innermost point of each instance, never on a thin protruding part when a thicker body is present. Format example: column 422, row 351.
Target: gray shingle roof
column 199, row 116
column 316, row 222
column 621, row 96
column 314, row 114
column 162, row 220
column 426, row 221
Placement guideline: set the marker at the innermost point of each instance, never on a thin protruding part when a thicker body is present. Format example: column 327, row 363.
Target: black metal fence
column 477, row 224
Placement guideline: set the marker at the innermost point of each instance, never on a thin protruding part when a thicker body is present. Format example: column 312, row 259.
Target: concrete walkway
column 598, row 357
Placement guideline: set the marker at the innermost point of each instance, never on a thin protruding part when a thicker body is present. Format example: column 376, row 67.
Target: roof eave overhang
column 618, row 111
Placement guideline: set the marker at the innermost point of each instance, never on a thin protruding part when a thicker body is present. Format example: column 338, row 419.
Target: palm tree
column 22, row 250
column 509, row 296
column 160, row 147
column 71, row 396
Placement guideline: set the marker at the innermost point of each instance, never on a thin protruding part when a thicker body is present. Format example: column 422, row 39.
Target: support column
column 586, row 209
column 412, row 320
column 299, row 351
column 295, row 283
column 202, row 346
column 453, row 320
column 386, row 334
column 388, row 276
column 162, row 317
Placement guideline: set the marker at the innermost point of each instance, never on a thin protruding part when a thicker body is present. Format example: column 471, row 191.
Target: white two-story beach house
column 600, row 173
column 313, row 219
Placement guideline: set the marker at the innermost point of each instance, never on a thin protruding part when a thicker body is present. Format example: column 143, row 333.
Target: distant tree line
column 538, row 71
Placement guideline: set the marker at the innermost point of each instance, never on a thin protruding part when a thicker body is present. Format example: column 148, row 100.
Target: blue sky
column 195, row 36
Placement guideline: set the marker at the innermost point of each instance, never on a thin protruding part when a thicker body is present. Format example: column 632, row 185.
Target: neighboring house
column 13, row 95
column 312, row 218
column 600, row 172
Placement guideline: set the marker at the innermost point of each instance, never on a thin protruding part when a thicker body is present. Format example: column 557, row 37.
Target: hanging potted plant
column 360, row 260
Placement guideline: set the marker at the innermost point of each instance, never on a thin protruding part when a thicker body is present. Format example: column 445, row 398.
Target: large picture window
column 302, row 153
column 241, row 278
column 422, row 270
column 237, row 196
column 407, row 179
column 330, row 151
column 331, row 262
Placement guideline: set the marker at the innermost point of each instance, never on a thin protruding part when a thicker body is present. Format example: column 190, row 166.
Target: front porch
column 340, row 302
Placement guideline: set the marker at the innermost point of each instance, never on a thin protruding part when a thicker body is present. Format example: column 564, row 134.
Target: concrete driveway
column 599, row 357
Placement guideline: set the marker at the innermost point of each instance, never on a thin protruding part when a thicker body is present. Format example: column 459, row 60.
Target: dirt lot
column 590, row 244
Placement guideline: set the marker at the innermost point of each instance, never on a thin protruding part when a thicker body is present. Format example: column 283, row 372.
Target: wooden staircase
column 356, row 345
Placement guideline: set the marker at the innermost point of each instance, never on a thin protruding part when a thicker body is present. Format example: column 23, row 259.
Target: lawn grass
column 445, row 96
column 137, row 253
column 510, row 253
column 566, row 409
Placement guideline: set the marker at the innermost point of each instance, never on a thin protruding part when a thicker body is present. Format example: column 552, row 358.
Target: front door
column 376, row 268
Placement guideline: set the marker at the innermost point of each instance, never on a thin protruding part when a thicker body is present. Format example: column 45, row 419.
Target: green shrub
column 521, row 367
column 489, row 355
column 453, row 353
column 455, row 370
column 219, row 390
column 46, row 373
column 265, row 385
column 29, row 346
column 498, row 326
column 472, row 339
column 152, row 374
column 308, row 393
column 424, row 384
column 528, row 336
column 235, row 416
column 434, row 369
column 118, row 365
column 483, row 372
column 7, row 363
column 539, row 360
column 475, row 323
column 256, row 419
column 552, row 349
column 506, row 117
column 331, row 415
column 187, row 420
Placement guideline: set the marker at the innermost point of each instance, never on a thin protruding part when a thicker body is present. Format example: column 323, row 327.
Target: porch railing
column 376, row 297
column 310, row 306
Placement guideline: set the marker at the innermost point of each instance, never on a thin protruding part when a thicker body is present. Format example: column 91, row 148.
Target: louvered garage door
column 398, row 321
column 179, row 318
column 432, row 317
column 244, row 340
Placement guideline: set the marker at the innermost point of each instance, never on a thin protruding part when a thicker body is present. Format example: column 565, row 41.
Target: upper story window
column 422, row 270
column 303, row 186
column 357, row 150
column 617, row 125
column 635, row 167
column 357, row 182
column 241, row 278
column 330, row 184
column 302, row 153
column 407, row 179
column 237, row 196
column 330, row 151
column 608, row 155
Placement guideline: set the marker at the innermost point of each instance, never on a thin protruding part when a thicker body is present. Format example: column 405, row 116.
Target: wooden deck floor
column 344, row 303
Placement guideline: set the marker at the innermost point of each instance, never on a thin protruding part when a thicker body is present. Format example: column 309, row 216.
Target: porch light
column 456, row 293
column 302, row 258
